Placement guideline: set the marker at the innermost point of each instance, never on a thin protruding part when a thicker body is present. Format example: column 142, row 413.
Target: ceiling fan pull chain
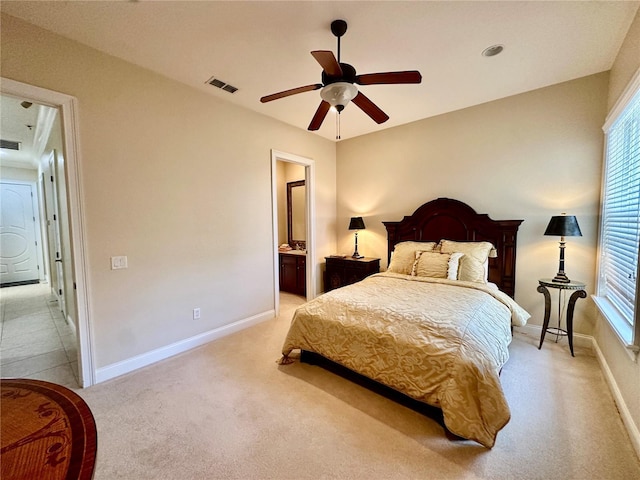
column 337, row 125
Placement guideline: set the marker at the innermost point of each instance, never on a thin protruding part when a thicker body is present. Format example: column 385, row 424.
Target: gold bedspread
column 439, row 341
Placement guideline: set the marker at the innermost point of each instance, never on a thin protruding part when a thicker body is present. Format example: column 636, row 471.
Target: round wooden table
column 47, row 432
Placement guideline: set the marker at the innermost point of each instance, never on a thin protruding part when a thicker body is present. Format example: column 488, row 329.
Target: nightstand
column 578, row 292
column 343, row 271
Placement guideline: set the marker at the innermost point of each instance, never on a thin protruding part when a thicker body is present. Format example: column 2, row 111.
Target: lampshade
column 356, row 223
column 563, row 226
column 338, row 94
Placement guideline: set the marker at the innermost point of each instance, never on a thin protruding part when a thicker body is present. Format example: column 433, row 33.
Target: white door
column 18, row 252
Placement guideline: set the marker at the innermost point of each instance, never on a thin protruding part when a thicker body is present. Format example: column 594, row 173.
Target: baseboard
column 145, row 359
column 625, row 414
column 579, row 340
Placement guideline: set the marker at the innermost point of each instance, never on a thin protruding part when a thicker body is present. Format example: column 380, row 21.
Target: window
column 617, row 294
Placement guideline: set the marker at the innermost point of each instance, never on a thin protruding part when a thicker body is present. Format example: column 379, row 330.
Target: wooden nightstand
column 343, row 271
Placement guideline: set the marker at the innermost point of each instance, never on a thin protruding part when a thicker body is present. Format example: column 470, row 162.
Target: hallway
column 35, row 340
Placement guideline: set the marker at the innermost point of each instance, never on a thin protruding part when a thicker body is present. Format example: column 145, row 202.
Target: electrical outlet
column 118, row 262
column 196, row 313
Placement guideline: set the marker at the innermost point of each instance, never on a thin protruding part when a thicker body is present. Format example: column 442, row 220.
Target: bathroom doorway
column 292, row 181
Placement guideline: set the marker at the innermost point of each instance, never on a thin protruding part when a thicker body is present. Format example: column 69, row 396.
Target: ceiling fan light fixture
column 339, row 94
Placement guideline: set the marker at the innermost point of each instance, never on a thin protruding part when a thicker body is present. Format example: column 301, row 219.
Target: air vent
column 9, row 144
column 216, row 82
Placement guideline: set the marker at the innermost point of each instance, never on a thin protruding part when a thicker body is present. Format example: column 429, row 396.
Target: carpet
column 47, row 432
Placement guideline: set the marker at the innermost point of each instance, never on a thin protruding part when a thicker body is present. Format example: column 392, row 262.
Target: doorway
column 307, row 169
column 63, row 166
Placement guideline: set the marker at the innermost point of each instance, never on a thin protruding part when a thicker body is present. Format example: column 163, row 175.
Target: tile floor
column 35, row 340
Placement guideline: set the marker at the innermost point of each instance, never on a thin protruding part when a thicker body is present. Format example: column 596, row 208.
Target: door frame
column 68, row 108
column 310, row 179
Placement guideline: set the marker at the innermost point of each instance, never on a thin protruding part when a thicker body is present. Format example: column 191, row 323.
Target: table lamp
column 356, row 224
column 563, row 226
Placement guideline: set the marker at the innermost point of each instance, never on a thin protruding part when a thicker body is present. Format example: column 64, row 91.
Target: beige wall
column 22, row 174
column 625, row 372
column 626, row 63
column 526, row 157
column 177, row 180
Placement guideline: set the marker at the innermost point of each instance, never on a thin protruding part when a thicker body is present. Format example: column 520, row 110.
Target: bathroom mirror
column 296, row 214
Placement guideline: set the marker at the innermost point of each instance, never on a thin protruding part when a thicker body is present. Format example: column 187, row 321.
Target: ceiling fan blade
column 328, row 62
column 370, row 108
column 293, row 91
column 410, row 76
column 318, row 118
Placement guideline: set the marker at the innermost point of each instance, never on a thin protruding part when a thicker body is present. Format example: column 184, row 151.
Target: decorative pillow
column 474, row 266
column 404, row 256
column 431, row 264
column 437, row 265
column 471, row 270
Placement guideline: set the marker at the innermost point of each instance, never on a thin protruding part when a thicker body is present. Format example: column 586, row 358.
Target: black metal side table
column 543, row 288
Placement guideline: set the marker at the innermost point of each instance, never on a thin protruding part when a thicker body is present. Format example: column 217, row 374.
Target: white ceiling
column 264, row 47
column 18, row 124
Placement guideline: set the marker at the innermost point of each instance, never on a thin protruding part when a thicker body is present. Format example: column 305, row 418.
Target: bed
column 435, row 326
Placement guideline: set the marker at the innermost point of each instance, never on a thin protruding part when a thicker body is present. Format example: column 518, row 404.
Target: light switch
column 118, row 262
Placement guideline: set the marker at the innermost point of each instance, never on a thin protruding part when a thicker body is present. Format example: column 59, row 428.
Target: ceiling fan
column 338, row 84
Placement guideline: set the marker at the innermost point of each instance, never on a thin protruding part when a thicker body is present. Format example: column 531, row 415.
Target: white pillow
column 454, row 265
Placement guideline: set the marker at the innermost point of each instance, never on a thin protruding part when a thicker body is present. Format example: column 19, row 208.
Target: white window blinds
column 620, row 222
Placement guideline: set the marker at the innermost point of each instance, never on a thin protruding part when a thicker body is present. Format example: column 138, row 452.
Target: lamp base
column 355, row 247
column 561, row 278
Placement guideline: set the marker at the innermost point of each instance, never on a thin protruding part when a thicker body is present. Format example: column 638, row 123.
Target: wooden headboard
column 449, row 219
